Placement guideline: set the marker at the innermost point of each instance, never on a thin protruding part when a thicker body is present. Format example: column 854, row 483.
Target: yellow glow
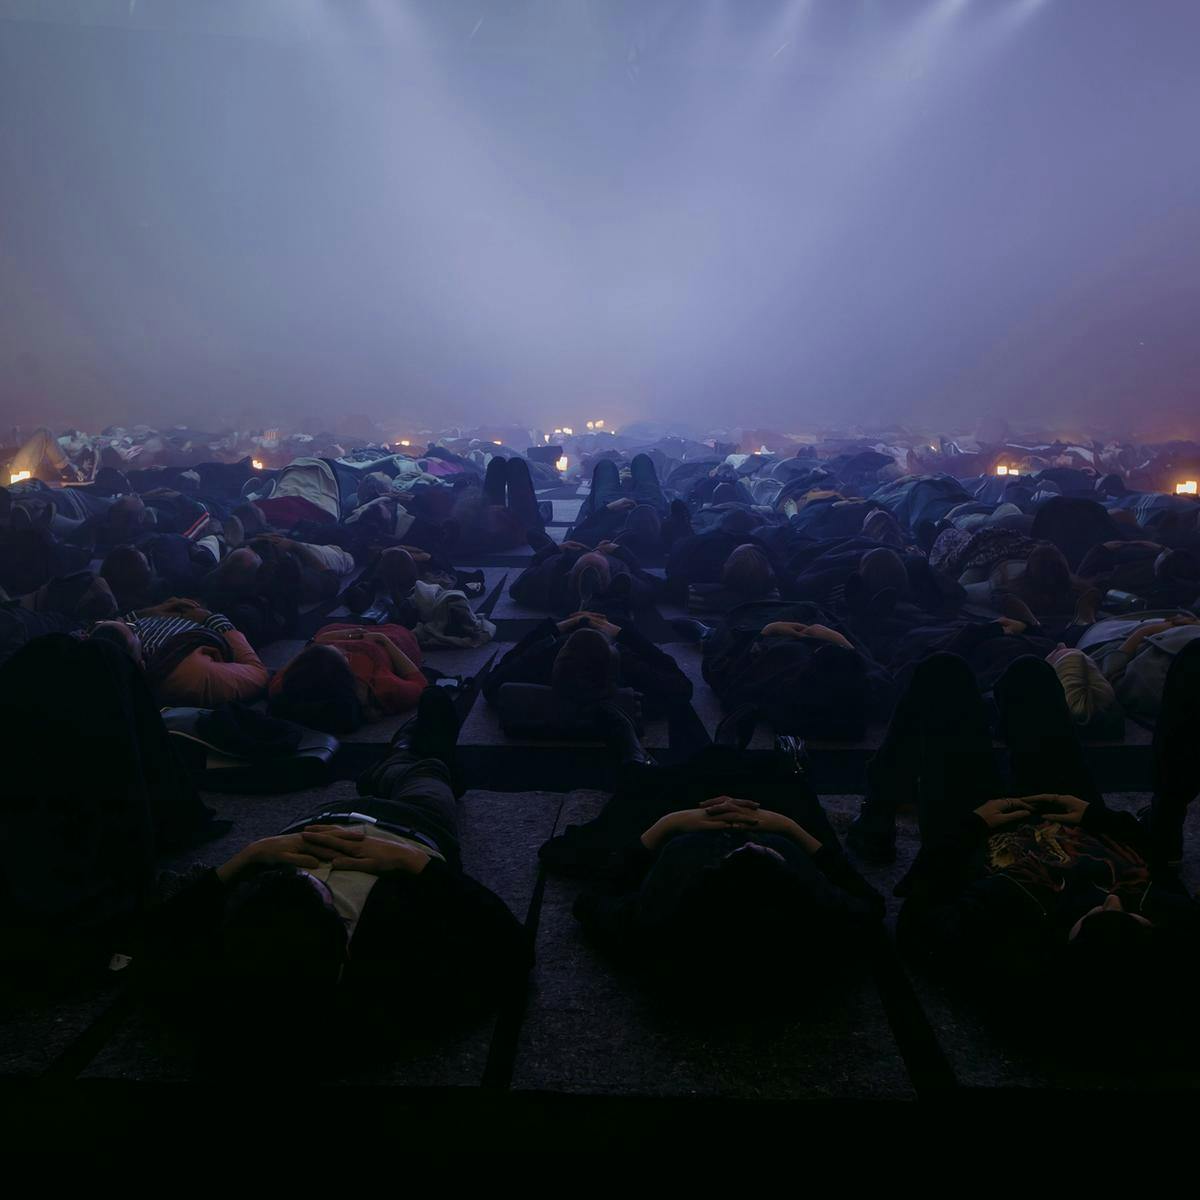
column 495, row 442
column 17, row 476
column 405, row 442
column 546, row 438
column 567, row 430
column 1186, row 489
column 599, row 424
column 1001, row 470
column 591, row 424
column 563, row 463
column 256, row 463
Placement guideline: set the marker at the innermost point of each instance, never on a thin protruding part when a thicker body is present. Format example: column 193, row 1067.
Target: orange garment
column 203, row 680
column 388, row 692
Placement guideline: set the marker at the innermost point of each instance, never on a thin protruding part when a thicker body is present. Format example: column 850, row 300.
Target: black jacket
column 436, row 945
column 956, row 913
column 644, row 667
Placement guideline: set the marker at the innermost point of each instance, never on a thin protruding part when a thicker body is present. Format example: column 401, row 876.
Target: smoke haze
column 780, row 213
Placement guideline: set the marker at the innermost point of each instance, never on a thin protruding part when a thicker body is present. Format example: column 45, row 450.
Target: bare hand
column 345, row 849
column 1066, row 810
column 997, row 814
column 1011, row 626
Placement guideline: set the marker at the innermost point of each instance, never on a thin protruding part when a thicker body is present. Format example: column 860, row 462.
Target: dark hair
column 273, row 971
column 319, row 692
column 748, row 571
column 127, row 572
column 107, row 631
column 1046, row 585
column 585, row 669
column 744, row 928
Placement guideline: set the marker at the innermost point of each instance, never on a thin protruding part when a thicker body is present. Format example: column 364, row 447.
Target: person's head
column 280, row 955
column 747, row 571
column 1046, row 585
column 397, row 571
column 643, row 524
column 252, row 519
column 882, row 569
column 585, row 670
column 318, row 689
column 237, row 572
column 1091, row 700
column 589, row 576
column 120, row 635
column 880, row 526
column 127, row 511
column 373, row 485
column 745, row 923
column 128, row 573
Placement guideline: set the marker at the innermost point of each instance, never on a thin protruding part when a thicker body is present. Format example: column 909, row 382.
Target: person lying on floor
column 581, row 662
column 349, row 676
column 570, row 577
column 720, row 561
column 724, row 875
column 499, row 516
column 790, row 665
column 61, row 606
column 1018, row 879
column 1136, row 653
column 359, row 911
column 392, row 571
column 94, row 790
column 638, row 517
column 191, row 657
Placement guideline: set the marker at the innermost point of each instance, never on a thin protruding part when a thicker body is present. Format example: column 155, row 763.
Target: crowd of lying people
column 834, row 598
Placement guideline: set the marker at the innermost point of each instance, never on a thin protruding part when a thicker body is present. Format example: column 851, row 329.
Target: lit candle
column 256, row 463
column 405, row 442
column 1001, row 470
column 599, row 424
column 568, row 430
column 591, row 424
column 563, row 463
column 17, row 476
column 1187, row 488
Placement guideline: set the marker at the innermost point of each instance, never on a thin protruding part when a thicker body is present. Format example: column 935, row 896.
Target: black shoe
column 358, row 596
column 538, row 540
column 872, row 845
column 432, row 733
column 470, row 582
column 737, row 728
column 1166, row 845
column 691, row 630
column 620, row 735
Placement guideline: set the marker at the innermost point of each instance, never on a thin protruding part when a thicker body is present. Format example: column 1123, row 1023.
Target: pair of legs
column 413, row 787
column 606, row 486
column 507, row 484
column 938, row 749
